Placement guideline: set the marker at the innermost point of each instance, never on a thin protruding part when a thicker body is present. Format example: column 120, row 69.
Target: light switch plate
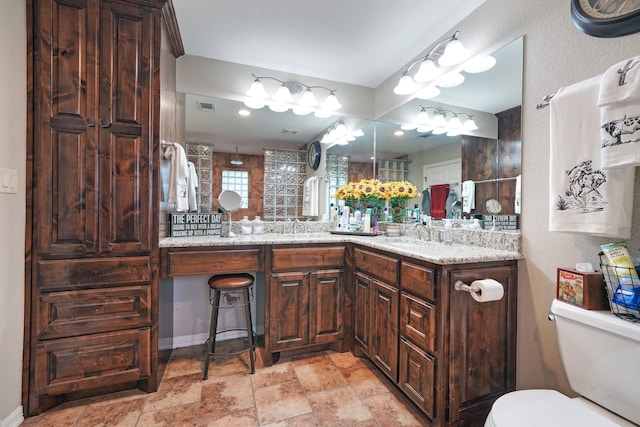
column 8, row 181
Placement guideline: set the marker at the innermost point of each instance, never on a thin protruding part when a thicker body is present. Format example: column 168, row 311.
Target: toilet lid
column 535, row 408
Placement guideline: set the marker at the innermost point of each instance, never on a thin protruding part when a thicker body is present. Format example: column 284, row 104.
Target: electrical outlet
column 8, row 181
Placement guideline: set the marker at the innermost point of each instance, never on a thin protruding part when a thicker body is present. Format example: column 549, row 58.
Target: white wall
column 13, row 108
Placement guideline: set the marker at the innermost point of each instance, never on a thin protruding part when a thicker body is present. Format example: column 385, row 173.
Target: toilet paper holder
column 461, row 286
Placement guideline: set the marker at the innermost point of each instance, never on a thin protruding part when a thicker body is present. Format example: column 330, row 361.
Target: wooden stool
column 229, row 283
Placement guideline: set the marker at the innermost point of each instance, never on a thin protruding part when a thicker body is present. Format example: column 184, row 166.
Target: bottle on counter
column 245, row 225
column 448, row 232
column 415, row 216
column 258, row 225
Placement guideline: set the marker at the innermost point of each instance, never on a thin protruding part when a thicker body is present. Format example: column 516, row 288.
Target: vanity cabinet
column 304, row 298
column 450, row 355
column 92, row 244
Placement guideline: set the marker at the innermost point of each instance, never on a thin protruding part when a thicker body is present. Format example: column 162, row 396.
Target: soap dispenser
column 245, row 225
column 448, row 232
column 258, row 225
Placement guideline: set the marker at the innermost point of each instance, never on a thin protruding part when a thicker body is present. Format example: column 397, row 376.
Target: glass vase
column 397, row 210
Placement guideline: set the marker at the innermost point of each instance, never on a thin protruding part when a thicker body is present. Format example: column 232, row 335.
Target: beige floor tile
column 338, row 407
column 320, row 375
column 121, row 413
column 365, row 382
column 56, row 417
column 273, row 375
column 242, row 418
column 280, row 402
column 176, row 416
column 306, row 420
column 175, row 392
column 347, row 361
column 184, row 363
column 390, row 411
column 226, row 394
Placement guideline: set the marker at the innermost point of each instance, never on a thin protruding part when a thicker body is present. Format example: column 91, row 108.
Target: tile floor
column 325, row 389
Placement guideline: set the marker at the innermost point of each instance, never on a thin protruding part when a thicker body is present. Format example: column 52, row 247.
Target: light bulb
column 405, row 86
column 451, row 80
column 254, row 104
column 358, row 133
column 428, row 92
column 469, row 124
column 341, row 129
column 454, row 53
column 423, row 117
column 308, row 99
column 283, row 95
column 331, row 103
column 278, row 108
column 427, row 71
column 301, row 111
column 257, row 90
column 439, row 120
column 482, row 64
column 454, row 123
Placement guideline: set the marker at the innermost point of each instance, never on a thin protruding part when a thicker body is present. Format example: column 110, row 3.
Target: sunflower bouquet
column 376, row 189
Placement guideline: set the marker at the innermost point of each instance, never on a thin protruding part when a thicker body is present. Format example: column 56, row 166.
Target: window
column 237, row 181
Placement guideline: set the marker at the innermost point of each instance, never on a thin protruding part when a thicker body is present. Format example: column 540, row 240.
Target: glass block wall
column 394, row 170
column 200, row 155
column 284, row 175
column 237, row 181
column 337, row 175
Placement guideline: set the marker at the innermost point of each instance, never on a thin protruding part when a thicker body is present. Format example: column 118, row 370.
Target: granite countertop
column 434, row 252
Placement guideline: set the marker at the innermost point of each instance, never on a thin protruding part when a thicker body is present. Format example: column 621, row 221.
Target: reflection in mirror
column 489, row 156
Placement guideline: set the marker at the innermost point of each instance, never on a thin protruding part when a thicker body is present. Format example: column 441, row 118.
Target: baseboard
column 199, row 339
column 14, row 419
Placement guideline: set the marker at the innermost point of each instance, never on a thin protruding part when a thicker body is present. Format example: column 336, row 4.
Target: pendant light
column 237, row 161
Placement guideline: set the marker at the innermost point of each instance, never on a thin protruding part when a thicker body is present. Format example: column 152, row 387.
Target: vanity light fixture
column 442, row 121
column 340, row 135
column 285, row 98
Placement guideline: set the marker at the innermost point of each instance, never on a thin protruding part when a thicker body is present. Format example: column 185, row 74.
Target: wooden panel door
column 384, row 328
column 64, row 117
column 482, row 344
column 416, row 376
column 289, row 310
column 362, row 317
column 325, row 306
column 127, row 53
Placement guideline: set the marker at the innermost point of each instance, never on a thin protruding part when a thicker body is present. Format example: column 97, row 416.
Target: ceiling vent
column 287, row 131
column 207, row 106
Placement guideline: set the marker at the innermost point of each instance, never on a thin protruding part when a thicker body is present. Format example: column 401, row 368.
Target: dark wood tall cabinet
column 92, row 244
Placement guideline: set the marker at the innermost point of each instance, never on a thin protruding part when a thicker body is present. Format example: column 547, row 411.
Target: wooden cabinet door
column 384, row 328
column 325, row 306
column 65, row 184
column 127, row 73
column 362, row 315
column 289, row 310
column 482, row 344
column 416, row 376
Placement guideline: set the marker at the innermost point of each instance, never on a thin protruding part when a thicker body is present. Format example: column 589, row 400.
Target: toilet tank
column 601, row 357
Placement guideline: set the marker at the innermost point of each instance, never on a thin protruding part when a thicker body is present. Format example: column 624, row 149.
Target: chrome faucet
column 295, row 225
column 422, row 227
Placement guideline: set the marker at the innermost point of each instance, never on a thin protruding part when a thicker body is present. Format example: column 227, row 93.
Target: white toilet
column 601, row 356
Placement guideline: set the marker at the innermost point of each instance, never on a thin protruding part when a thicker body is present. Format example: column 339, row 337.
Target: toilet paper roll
column 487, row 290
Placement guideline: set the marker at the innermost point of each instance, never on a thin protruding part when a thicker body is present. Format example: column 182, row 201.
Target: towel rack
column 545, row 101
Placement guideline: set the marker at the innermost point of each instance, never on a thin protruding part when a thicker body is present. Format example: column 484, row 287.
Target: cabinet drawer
column 77, row 273
column 418, row 321
column 189, row 263
column 380, row 266
column 418, row 280
column 80, row 312
column 284, row 259
column 416, row 377
column 82, row 363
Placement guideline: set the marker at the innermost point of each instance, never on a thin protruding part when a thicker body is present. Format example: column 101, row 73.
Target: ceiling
column 355, row 42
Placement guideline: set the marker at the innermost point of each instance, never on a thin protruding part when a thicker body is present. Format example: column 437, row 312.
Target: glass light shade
column 451, row 80
column 439, row 121
column 283, row 95
column 308, row 99
column 358, row 133
column 257, row 90
column 254, row 104
column 331, row 103
column 342, row 141
column 423, row 117
column 469, row 124
column 454, row 53
column 454, row 123
column 480, row 65
column 439, row 131
column 350, row 138
column 326, row 138
column 454, row 133
column 323, row 114
column 341, row 129
column 405, row 86
column 408, row 126
column 427, row 71
column 428, row 92
column 424, row 128
column 301, row 111
column 278, row 108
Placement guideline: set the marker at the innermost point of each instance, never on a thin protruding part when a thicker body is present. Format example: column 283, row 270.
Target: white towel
column 179, row 174
column 518, row 198
column 468, row 196
column 582, row 197
column 192, row 184
column 619, row 101
column 310, row 196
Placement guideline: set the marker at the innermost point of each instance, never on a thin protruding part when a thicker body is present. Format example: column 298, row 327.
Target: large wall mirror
column 492, row 98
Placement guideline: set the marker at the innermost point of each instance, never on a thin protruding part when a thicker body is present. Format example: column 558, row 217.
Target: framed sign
column 193, row 224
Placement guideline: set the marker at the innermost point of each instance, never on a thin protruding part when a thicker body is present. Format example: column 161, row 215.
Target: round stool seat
column 231, row 281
